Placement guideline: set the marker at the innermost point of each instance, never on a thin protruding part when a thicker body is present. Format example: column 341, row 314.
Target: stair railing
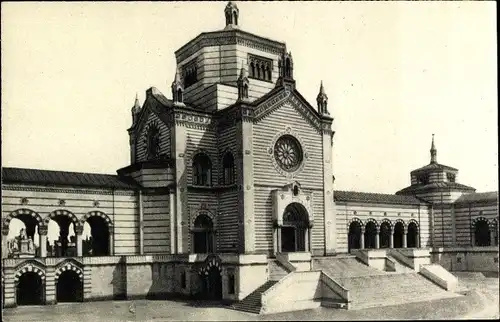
column 285, row 263
column 335, row 286
column 402, row 258
column 266, row 294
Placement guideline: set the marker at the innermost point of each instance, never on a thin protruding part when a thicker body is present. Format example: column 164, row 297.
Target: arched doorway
column 354, row 235
column 295, row 229
column 203, row 235
column 370, row 234
column 399, row 230
column 212, row 284
column 385, row 234
column 482, row 233
column 30, row 289
column 21, row 227
column 412, row 236
column 69, row 287
column 98, row 243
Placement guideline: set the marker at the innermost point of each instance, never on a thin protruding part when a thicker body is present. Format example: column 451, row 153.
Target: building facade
column 232, row 172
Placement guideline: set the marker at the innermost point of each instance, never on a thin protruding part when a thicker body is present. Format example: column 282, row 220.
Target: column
column 362, row 240
column 42, row 234
column 391, row 240
column 473, row 237
column 279, row 239
column 404, row 239
column 377, row 239
column 307, row 240
column 275, row 240
column 5, row 248
column 173, row 239
column 78, row 235
column 492, row 236
column 417, row 242
column 111, row 241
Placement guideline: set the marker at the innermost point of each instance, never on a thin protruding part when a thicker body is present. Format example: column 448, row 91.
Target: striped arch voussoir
column 385, row 220
column 62, row 212
column 357, row 220
column 29, row 268
column 401, row 221
column 211, row 263
column 373, row 221
column 68, row 266
column 478, row 219
column 97, row 214
column 19, row 212
column 413, row 221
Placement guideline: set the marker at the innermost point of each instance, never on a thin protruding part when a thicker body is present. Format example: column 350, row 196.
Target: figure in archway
column 21, row 228
column 482, row 235
column 385, row 234
column 69, row 287
column 370, row 235
column 295, row 229
column 62, row 223
column 399, row 230
column 30, row 289
column 412, row 236
column 355, row 231
column 212, row 283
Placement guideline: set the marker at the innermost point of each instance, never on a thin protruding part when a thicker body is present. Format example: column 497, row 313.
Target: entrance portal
column 399, row 230
column 354, row 235
column 212, row 284
column 295, row 228
column 69, row 287
column 29, row 290
column 288, row 239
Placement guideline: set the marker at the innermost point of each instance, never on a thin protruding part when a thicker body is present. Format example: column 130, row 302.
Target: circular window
column 288, row 153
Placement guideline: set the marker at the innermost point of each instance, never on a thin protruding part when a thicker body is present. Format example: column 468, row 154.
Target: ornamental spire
column 322, row 100
column 433, row 151
column 231, row 12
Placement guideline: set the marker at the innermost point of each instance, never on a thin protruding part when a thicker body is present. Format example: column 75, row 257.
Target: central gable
column 288, row 99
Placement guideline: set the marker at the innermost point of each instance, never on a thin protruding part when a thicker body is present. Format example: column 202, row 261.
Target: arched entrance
column 295, row 229
column 69, row 287
column 370, row 235
column 412, row 236
column 482, row 233
column 212, row 284
column 98, row 243
column 30, row 289
column 385, row 234
column 399, row 230
column 354, row 236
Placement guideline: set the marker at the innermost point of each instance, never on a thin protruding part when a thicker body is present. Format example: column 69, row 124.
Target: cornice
column 228, row 37
column 68, row 190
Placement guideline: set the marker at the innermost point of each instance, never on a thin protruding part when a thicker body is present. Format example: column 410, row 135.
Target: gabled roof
column 434, row 166
column 478, row 197
column 368, row 197
column 64, row 178
column 435, row 185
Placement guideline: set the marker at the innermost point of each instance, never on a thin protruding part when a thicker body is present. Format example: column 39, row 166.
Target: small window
column 295, row 190
column 203, row 235
column 183, row 280
column 450, row 177
column 190, row 74
column 423, row 179
column 228, row 171
column 202, row 170
column 230, row 284
column 260, row 68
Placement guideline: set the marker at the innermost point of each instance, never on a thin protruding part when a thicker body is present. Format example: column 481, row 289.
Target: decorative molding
column 97, row 214
column 270, row 150
column 121, row 192
column 19, row 212
column 62, row 202
column 24, row 201
column 96, row 203
column 62, row 212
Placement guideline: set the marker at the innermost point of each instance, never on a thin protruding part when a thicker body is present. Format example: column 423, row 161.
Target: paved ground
column 481, row 302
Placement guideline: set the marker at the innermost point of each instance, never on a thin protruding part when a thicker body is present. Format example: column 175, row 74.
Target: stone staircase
column 252, row 303
column 276, row 270
column 391, row 289
column 398, row 266
column 344, row 266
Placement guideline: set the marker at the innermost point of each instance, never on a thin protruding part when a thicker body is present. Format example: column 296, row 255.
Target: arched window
column 203, row 235
column 202, row 170
column 179, row 95
column 153, row 143
column 228, row 168
column 268, row 72
column 482, row 233
column 258, row 71
column 288, row 67
column 252, row 70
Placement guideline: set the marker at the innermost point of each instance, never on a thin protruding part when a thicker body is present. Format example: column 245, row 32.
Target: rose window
column 288, row 153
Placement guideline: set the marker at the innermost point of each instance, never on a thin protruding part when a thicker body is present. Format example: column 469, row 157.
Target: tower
column 322, row 100
column 177, row 89
column 433, row 151
column 231, row 12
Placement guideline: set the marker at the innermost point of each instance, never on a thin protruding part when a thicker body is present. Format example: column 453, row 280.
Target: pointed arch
column 29, row 267
column 17, row 213
column 97, row 214
column 62, row 212
column 68, row 266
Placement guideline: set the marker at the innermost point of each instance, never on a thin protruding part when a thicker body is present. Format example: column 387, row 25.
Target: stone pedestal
column 26, row 249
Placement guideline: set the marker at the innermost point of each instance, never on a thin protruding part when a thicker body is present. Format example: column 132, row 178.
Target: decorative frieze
column 68, row 190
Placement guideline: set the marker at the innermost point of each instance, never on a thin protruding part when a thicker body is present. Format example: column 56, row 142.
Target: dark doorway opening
column 398, row 235
column 482, row 233
column 354, row 236
column 212, row 284
column 69, row 287
column 370, row 235
column 30, row 290
column 411, row 237
column 288, row 239
column 385, row 235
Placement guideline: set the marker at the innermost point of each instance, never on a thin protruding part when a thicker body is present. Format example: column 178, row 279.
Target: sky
column 394, row 72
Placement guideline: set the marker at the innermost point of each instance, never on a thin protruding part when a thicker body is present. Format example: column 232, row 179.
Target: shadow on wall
column 159, row 285
column 119, row 280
